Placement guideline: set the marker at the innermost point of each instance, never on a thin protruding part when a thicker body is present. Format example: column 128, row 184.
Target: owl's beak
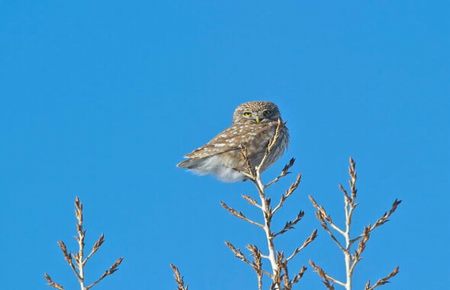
column 257, row 119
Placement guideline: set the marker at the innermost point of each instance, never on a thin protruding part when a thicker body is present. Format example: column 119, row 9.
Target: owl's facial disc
column 256, row 112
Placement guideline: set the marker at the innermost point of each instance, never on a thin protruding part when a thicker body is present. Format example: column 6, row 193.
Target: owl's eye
column 267, row 113
column 247, row 114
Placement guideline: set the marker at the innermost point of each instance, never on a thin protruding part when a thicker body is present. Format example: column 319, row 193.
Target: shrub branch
column 351, row 257
column 77, row 261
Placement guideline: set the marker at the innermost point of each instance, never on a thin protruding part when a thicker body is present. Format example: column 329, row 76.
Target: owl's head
column 256, row 112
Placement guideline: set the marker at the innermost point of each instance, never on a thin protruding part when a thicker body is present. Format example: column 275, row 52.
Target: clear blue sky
column 102, row 98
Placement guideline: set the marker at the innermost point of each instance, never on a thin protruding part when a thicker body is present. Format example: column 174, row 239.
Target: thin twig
column 383, row 280
column 52, row 283
column 257, row 264
column 77, row 261
column 284, row 172
column 237, row 253
column 288, row 193
column 178, row 278
column 327, row 280
column 239, row 214
column 308, row 241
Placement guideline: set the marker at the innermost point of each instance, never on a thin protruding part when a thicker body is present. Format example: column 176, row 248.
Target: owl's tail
column 189, row 163
column 212, row 165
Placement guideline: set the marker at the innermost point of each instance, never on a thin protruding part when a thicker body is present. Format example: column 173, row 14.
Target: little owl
column 254, row 125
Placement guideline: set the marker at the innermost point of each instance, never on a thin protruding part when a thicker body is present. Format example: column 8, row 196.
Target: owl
column 254, row 125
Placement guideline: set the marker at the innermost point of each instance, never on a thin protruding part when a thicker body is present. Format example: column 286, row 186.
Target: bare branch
column 284, row 172
column 269, row 148
column 322, row 215
column 257, row 264
column 385, row 218
column 299, row 275
column 250, row 171
column 95, row 248
column 251, row 201
column 275, row 137
column 288, row 193
column 346, row 195
column 69, row 259
column 352, row 181
column 239, row 215
column 383, row 280
column 308, row 241
column 114, row 267
column 327, row 280
column 178, row 278
column 324, row 225
column 77, row 260
column 351, row 260
column 290, row 224
column 361, row 247
column 237, row 253
column 52, row 283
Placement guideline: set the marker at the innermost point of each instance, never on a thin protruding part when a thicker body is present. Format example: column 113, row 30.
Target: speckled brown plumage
column 254, row 124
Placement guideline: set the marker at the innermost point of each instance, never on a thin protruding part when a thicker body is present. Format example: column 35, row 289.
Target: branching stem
column 351, row 257
column 267, row 223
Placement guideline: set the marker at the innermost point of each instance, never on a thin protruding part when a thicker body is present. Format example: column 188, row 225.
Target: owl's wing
column 226, row 141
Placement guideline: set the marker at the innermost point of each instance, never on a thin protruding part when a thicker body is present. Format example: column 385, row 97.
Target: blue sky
column 101, row 99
